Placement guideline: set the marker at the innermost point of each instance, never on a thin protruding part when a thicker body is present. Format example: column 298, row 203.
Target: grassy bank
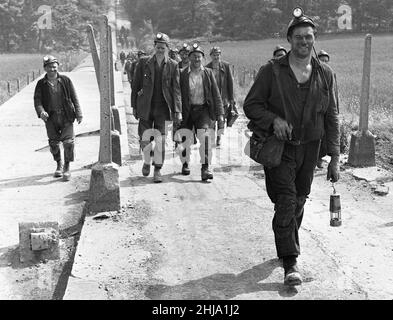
column 21, row 66
column 346, row 54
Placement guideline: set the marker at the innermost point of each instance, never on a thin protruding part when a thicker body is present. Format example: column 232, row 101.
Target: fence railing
column 10, row 87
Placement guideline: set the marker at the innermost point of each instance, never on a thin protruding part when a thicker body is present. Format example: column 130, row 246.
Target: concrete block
column 133, row 137
column 116, row 118
column 116, row 147
column 38, row 241
column 104, row 192
column 362, row 149
column 372, row 174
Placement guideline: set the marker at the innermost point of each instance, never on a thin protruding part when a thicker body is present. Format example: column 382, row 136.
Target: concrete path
column 28, row 191
column 181, row 239
column 184, row 239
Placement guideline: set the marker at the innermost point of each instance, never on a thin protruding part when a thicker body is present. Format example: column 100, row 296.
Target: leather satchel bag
column 267, row 150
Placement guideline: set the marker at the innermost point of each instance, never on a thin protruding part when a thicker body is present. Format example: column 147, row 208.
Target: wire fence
column 12, row 86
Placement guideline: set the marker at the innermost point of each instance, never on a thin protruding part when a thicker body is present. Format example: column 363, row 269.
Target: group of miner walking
column 195, row 97
column 293, row 97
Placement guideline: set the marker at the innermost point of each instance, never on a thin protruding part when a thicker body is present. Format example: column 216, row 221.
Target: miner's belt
column 196, row 106
column 294, row 142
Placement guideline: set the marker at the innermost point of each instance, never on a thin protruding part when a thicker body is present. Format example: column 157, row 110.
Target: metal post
column 94, row 53
column 365, row 94
column 105, row 153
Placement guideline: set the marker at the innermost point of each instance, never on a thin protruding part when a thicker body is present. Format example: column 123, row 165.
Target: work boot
column 157, row 175
column 59, row 170
column 292, row 276
column 185, row 170
column 218, row 142
column 206, row 173
column 146, row 169
column 66, row 172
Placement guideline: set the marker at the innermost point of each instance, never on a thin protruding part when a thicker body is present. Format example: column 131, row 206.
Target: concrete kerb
column 104, row 193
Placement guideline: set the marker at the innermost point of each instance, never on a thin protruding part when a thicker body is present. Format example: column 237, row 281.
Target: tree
column 10, row 22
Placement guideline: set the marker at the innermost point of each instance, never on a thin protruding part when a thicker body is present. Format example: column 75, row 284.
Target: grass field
column 18, row 66
column 346, row 56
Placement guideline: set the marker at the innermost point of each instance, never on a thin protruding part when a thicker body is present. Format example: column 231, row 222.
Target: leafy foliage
column 19, row 29
column 252, row 19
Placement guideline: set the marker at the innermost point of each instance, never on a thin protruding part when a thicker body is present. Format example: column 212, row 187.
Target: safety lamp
column 297, row 12
column 335, row 209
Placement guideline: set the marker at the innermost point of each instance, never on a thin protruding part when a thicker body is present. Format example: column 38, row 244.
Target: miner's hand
column 282, row 129
column 44, row 116
column 134, row 113
column 333, row 171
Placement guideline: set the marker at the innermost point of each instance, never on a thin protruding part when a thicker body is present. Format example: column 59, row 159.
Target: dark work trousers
column 60, row 130
column 154, row 129
column 199, row 119
column 288, row 186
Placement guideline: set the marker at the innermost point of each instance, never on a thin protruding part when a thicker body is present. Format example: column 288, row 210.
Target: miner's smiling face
column 302, row 41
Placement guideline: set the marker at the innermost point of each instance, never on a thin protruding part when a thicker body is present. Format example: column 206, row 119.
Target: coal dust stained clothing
column 143, row 85
column 58, row 98
column 224, row 81
column 312, row 111
column 155, row 97
column 200, row 116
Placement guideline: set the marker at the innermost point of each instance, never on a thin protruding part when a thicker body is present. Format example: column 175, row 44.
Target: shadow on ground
column 37, row 180
column 166, row 178
column 221, row 286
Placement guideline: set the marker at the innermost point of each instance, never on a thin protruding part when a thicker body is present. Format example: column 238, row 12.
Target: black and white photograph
column 196, row 155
